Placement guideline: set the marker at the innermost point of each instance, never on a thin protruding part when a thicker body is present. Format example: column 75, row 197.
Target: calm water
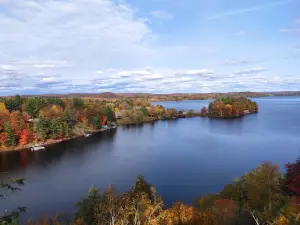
column 183, row 158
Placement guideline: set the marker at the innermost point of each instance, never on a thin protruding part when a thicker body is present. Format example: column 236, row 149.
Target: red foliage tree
column 25, row 137
column 103, row 120
column 292, row 178
column 225, row 208
column 3, row 137
column 203, row 111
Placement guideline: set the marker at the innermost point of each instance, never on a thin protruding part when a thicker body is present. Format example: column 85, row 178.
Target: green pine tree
column 43, row 128
column 109, row 113
column 86, row 207
column 11, row 135
column 144, row 111
column 34, row 105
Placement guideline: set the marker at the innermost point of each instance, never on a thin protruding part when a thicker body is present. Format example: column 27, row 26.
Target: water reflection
column 227, row 126
column 21, row 159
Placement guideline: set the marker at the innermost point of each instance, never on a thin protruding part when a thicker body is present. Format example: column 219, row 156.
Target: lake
column 184, row 158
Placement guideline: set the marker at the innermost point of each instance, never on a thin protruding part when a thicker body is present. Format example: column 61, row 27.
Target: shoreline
column 50, row 142
column 54, row 142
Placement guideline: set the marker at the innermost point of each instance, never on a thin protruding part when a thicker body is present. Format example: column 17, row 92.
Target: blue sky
column 158, row 46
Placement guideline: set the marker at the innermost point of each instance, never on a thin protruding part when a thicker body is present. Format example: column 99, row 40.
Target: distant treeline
column 171, row 97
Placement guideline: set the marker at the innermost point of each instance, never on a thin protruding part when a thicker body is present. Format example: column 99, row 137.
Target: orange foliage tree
column 52, row 112
column 25, row 137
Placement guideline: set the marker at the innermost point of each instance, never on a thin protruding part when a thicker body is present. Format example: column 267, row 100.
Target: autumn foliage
column 231, row 107
column 26, row 136
column 291, row 182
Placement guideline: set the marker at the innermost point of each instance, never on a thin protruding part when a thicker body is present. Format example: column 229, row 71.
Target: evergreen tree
column 87, row 205
column 43, row 128
column 109, row 113
column 18, row 101
column 13, row 104
column 11, row 135
column 54, row 128
column 55, row 101
column 77, row 103
column 97, row 123
column 10, row 104
column 144, row 111
column 34, row 105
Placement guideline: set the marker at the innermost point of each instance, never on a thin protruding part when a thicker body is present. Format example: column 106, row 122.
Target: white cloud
column 252, row 70
column 99, row 45
column 298, row 20
column 198, row 72
column 8, row 67
column 235, row 62
column 88, row 32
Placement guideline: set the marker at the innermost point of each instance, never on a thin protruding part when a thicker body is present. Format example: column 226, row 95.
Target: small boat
column 37, row 147
column 87, row 135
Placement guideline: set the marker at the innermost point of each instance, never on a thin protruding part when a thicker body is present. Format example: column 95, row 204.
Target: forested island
column 264, row 196
column 229, row 107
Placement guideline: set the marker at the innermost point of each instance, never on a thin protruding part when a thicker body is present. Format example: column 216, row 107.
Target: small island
column 231, row 107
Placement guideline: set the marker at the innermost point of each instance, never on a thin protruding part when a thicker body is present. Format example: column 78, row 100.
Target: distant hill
column 172, row 96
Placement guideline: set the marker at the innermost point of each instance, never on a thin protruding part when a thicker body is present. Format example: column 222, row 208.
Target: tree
column 13, row 104
column 55, row 101
column 206, row 202
column 34, row 105
column 203, row 111
column 17, row 120
column 12, row 217
column 144, row 110
column 109, row 113
column 155, row 202
column 77, row 103
column 182, row 214
column 97, row 123
column 109, row 211
column 86, row 207
column 26, row 137
column 291, row 181
column 225, row 211
column 258, row 193
column 42, row 128
column 3, row 138
column 11, row 139
column 52, row 112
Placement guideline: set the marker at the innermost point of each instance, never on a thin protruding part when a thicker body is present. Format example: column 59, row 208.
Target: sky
column 153, row 46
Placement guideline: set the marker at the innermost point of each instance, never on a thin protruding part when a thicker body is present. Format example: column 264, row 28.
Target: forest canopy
column 232, row 107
